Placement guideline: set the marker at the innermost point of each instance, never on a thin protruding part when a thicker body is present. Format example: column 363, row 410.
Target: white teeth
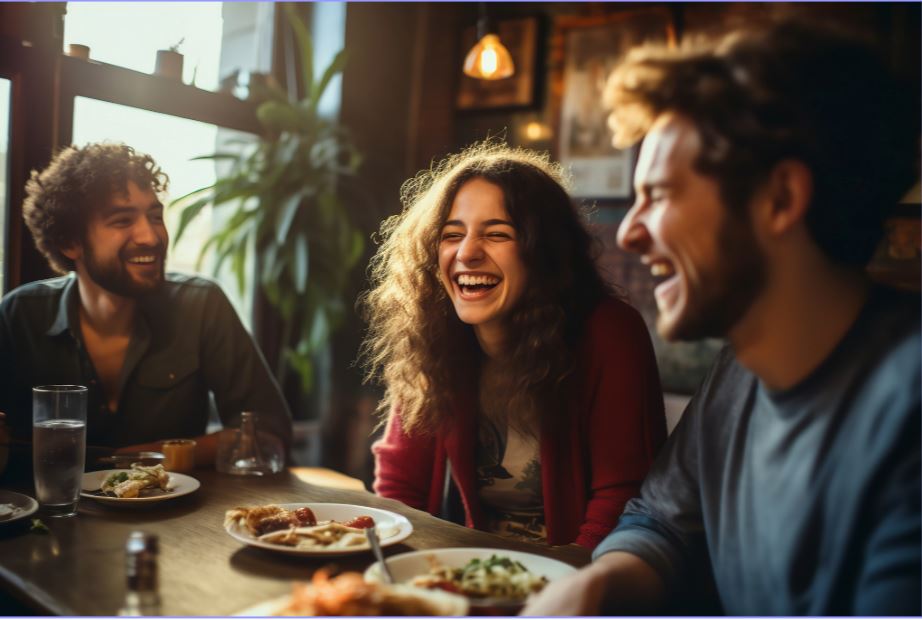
column 469, row 280
column 142, row 259
column 660, row 269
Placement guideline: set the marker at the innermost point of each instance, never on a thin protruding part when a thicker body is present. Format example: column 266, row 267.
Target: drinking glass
column 58, row 446
column 179, row 455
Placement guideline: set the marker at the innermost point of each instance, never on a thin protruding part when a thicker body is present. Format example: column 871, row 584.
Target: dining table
column 76, row 566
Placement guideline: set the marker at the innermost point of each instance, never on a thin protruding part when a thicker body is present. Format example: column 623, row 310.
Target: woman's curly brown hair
column 788, row 91
column 418, row 347
column 60, row 198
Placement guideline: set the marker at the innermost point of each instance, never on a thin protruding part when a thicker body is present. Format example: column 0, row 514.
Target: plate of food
column 493, row 580
column 141, row 484
column 15, row 506
column 314, row 529
column 348, row 594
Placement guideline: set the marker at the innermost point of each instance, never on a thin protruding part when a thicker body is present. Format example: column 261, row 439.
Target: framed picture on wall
column 520, row 37
column 590, row 48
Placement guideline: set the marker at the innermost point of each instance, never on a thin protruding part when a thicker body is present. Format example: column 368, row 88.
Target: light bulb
column 489, row 60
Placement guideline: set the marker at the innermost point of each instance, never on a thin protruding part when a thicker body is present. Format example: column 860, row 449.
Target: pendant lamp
column 488, row 59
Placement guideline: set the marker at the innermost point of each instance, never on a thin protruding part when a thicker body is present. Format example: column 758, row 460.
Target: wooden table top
column 78, row 567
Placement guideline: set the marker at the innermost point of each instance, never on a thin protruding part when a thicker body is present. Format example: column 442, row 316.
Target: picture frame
column 520, row 37
column 897, row 262
column 587, row 49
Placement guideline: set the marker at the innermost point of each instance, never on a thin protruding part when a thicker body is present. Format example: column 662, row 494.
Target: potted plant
column 169, row 62
column 283, row 193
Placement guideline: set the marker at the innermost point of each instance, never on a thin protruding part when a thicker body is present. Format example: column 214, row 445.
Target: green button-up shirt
column 187, row 341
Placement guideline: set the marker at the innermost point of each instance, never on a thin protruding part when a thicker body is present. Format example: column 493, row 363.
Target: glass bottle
column 243, row 456
column 142, row 595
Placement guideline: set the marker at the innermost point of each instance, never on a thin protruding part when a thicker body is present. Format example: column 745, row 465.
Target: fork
column 372, row 536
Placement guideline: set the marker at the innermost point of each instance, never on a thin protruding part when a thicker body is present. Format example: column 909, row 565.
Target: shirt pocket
column 168, row 376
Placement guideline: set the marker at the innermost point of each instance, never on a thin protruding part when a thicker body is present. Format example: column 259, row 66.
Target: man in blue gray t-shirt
column 792, row 484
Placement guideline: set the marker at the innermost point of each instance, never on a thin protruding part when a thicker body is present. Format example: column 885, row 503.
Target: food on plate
column 7, row 510
column 298, row 528
column 129, row 484
column 348, row 594
column 496, row 577
column 260, row 520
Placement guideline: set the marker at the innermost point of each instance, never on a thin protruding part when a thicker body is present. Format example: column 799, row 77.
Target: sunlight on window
column 4, row 171
column 172, row 142
column 129, row 34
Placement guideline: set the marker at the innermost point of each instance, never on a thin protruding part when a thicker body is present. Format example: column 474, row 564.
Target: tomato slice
column 360, row 522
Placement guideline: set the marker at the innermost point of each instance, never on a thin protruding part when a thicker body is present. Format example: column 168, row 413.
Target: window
column 216, row 39
column 172, row 142
column 129, row 34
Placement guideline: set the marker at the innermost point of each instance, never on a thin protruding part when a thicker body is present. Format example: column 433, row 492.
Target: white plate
column 392, row 528
column 447, row 604
column 406, row 566
column 180, row 484
column 22, row 506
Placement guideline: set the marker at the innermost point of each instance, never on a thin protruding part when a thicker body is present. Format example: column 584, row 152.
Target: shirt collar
column 62, row 320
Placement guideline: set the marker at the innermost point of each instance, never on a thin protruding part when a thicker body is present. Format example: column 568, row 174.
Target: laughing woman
column 518, row 388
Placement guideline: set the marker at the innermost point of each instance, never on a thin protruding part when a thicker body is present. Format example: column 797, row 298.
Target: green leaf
column 355, row 251
column 286, row 216
column 336, row 66
column 176, row 202
column 238, row 264
column 320, row 329
column 304, row 367
column 234, row 156
column 271, row 265
column 189, row 213
column 305, row 46
column 301, row 263
column 278, row 116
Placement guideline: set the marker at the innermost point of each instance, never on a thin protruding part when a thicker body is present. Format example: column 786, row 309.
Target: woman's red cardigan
column 592, row 462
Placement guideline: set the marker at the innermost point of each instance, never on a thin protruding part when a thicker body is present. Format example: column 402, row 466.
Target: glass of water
column 58, row 446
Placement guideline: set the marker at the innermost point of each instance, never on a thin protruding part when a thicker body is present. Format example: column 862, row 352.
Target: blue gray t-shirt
column 797, row 502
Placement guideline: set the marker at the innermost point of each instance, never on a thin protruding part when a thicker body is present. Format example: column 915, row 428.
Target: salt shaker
column 142, row 597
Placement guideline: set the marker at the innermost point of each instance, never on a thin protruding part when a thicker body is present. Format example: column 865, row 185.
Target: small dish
column 20, row 506
column 180, row 484
column 392, row 528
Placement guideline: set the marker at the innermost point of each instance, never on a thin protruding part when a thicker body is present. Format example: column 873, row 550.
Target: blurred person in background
column 791, row 484
column 511, row 370
column 149, row 345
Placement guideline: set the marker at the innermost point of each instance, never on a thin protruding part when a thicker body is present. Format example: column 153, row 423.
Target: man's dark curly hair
column 60, row 198
column 789, row 91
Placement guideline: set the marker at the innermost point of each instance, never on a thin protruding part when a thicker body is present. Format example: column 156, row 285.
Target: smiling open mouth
column 142, row 260
column 474, row 284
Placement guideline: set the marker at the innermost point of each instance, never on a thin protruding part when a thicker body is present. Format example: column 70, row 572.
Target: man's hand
column 206, row 448
column 617, row 581
column 577, row 595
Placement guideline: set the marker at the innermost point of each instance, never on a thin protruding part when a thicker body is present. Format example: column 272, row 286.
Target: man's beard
column 728, row 290
column 114, row 277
